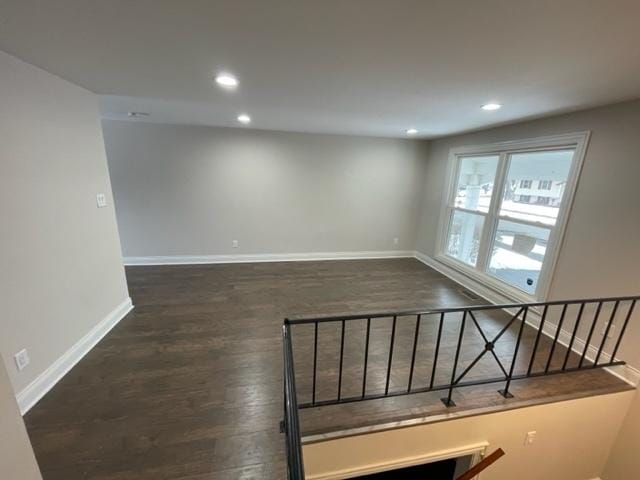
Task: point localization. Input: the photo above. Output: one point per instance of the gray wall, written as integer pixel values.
(61, 267)
(600, 255)
(185, 190)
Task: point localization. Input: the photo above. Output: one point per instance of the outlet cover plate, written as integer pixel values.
(101, 200)
(22, 359)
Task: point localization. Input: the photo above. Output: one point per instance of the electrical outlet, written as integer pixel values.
(235, 244)
(530, 438)
(22, 359)
(611, 330)
(396, 241)
(101, 200)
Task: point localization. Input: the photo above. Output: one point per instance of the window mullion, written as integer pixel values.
(491, 218)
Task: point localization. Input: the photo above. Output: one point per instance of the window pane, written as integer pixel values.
(463, 238)
(535, 185)
(474, 185)
(517, 254)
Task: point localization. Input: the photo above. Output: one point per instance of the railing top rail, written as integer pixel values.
(296, 320)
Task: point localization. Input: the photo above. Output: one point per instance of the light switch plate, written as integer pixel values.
(530, 438)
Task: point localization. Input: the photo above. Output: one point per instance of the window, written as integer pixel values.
(544, 184)
(495, 234)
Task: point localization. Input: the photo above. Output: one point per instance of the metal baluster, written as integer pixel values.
(588, 340)
(622, 330)
(535, 345)
(393, 336)
(505, 393)
(448, 401)
(606, 332)
(315, 363)
(413, 356)
(555, 338)
(435, 356)
(341, 359)
(573, 336)
(366, 358)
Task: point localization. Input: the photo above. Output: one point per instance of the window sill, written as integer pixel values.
(483, 284)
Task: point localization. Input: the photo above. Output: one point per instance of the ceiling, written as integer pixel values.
(369, 67)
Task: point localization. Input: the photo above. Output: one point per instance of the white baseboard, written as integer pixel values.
(626, 373)
(265, 257)
(33, 392)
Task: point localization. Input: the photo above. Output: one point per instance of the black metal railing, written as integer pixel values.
(290, 425)
(462, 319)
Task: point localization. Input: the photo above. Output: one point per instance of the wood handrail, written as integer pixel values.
(481, 465)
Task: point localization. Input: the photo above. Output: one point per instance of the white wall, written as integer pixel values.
(61, 271)
(184, 190)
(600, 254)
(573, 440)
(17, 460)
(624, 461)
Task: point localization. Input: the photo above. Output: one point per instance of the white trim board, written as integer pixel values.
(265, 257)
(44, 382)
(627, 373)
(476, 451)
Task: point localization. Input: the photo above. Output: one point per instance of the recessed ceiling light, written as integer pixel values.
(412, 131)
(491, 106)
(137, 114)
(226, 80)
(244, 118)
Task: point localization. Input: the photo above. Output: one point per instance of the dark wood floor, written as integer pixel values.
(189, 385)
